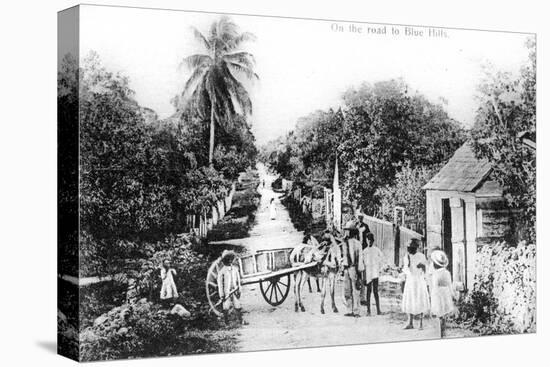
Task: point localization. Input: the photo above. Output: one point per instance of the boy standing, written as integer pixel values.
(229, 286)
(374, 260)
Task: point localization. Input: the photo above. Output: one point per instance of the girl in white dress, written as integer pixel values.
(442, 292)
(272, 209)
(415, 294)
(168, 292)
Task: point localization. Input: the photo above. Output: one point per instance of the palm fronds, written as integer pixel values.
(214, 83)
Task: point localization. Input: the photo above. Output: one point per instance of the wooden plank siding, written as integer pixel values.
(385, 238)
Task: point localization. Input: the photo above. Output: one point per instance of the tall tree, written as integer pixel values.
(507, 113)
(214, 84)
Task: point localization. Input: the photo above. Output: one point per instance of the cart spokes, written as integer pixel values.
(275, 290)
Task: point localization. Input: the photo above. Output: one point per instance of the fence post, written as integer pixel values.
(396, 243)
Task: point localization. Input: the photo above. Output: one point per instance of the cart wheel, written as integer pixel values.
(275, 290)
(212, 288)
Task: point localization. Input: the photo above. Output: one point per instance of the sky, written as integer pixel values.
(303, 65)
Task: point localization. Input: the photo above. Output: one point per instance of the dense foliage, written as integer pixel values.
(506, 115)
(67, 165)
(406, 191)
(138, 326)
(144, 329)
(138, 178)
(135, 180)
(503, 298)
(379, 129)
(134, 325)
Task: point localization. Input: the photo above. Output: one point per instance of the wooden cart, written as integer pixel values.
(270, 268)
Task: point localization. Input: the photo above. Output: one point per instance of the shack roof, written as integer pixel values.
(464, 172)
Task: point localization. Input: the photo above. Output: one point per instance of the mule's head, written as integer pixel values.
(317, 253)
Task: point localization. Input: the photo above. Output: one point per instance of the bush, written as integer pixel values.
(189, 260)
(96, 299)
(503, 299)
(131, 330)
(67, 336)
(406, 191)
(143, 328)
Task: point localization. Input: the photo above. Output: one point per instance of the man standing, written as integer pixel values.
(374, 260)
(364, 230)
(353, 267)
(329, 269)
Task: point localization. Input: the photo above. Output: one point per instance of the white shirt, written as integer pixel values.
(374, 260)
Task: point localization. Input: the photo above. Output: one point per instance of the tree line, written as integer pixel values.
(390, 140)
(139, 175)
(383, 131)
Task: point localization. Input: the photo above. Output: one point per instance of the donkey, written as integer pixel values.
(304, 254)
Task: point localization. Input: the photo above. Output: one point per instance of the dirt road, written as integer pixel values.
(281, 327)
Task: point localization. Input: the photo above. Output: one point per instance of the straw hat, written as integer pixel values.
(440, 258)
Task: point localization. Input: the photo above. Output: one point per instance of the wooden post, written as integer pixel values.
(396, 243)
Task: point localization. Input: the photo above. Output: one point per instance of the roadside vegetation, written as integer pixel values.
(237, 222)
(503, 299)
(390, 141)
(140, 176)
(382, 131)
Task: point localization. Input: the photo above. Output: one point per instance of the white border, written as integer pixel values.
(28, 184)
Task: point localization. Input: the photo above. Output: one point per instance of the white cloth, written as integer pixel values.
(228, 281)
(416, 299)
(374, 260)
(168, 289)
(442, 293)
(272, 211)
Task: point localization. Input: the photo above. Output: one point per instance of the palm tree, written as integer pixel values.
(214, 76)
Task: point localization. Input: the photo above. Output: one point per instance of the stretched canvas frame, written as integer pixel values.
(198, 195)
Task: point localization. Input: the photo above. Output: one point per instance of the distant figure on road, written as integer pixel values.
(415, 294)
(168, 292)
(272, 209)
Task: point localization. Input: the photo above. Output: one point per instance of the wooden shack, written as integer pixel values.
(465, 209)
